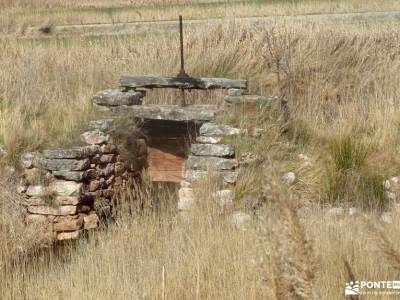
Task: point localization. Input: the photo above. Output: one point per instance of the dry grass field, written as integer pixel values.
(341, 83)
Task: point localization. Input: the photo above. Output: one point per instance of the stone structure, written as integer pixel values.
(71, 190)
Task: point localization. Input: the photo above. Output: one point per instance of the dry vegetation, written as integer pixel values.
(343, 96)
(17, 16)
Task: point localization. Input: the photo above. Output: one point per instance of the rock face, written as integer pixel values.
(118, 98)
(213, 150)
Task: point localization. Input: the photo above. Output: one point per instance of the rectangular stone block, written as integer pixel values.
(63, 164)
(213, 150)
(68, 223)
(64, 210)
(72, 235)
(76, 152)
(57, 201)
(91, 221)
(212, 129)
(210, 163)
(65, 188)
(208, 139)
(117, 98)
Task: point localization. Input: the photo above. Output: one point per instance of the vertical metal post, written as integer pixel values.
(182, 73)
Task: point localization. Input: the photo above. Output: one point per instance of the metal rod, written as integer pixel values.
(181, 38)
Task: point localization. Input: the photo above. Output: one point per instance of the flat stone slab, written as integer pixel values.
(170, 112)
(117, 98)
(208, 139)
(76, 152)
(213, 150)
(62, 164)
(227, 176)
(212, 129)
(251, 100)
(210, 163)
(135, 81)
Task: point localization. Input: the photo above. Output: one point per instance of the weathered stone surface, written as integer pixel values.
(65, 188)
(235, 92)
(36, 191)
(91, 221)
(68, 223)
(289, 178)
(27, 159)
(107, 158)
(56, 201)
(95, 137)
(213, 150)
(195, 175)
(208, 139)
(240, 219)
(151, 81)
(185, 204)
(63, 164)
(212, 129)
(36, 219)
(210, 163)
(108, 148)
(186, 193)
(51, 210)
(72, 235)
(170, 112)
(3, 152)
(116, 98)
(104, 125)
(224, 198)
(70, 175)
(250, 99)
(76, 152)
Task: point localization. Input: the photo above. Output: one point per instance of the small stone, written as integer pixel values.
(68, 223)
(36, 191)
(73, 235)
(248, 158)
(55, 211)
(240, 219)
(353, 211)
(213, 150)
(335, 211)
(304, 157)
(185, 184)
(387, 184)
(95, 137)
(91, 221)
(117, 98)
(65, 188)
(208, 139)
(212, 129)
(224, 198)
(186, 193)
(390, 196)
(105, 125)
(3, 152)
(230, 177)
(386, 217)
(289, 178)
(395, 180)
(108, 148)
(235, 92)
(27, 160)
(94, 185)
(185, 204)
(107, 158)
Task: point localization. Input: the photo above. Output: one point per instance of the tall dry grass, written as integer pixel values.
(16, 16)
